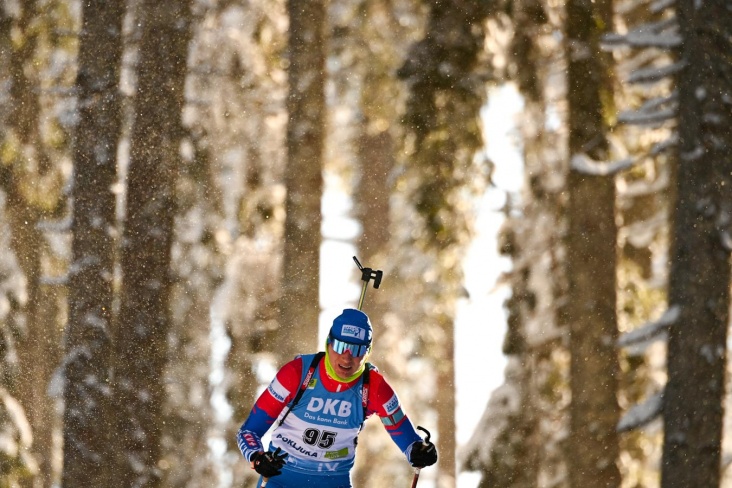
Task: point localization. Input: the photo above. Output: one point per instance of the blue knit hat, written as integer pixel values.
(352, 326)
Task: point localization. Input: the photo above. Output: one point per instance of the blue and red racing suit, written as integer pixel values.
(319, 433)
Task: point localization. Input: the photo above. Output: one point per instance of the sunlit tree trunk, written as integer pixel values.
(32, 184)
(300, 301)
(591, 246)
(144, 321)
(699, 280)
(375, 156)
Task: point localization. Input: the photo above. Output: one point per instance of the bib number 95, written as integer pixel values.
(323, 439)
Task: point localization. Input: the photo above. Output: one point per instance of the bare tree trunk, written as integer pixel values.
(300, 301)
(699, 280)
(591, 244)
(87, 395)
(144, 321)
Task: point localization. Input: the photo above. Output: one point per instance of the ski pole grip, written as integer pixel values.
(427, 440)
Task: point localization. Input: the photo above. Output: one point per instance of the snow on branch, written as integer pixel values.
(665, 145)
(640, 234)
(660, 5)
(582, 163)
(642, 414)
(662, 34)
(726, 239)
(58, 226)
(650, 330)
(655, 73)
(647, 118)
(653, 112)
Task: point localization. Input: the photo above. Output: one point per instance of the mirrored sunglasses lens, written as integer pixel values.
(356, 350)
(338, 346)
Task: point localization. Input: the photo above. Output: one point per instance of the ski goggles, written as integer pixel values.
(356, 350)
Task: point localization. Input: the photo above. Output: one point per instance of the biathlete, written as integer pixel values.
(318, 404)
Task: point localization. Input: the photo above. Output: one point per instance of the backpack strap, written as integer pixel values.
(304, 386)
(365, 389)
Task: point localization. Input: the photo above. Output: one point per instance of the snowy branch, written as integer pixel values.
(653, 112)
(726, 239)
(582, 163)
(660, 5)
(655, 73)
(663, 35)
(647, 118)
(664, 145)
(58, 226)
(641, 234)
(641, 188)
(642, 414)
(62, 280)
(651, 330)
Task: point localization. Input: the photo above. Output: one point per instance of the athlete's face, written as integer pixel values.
(344, 364)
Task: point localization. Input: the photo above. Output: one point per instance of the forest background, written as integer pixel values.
(162, 179)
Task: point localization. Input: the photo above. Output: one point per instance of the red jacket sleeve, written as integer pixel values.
(384, 402)
(268, 407)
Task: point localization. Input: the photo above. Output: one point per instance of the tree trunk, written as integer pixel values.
(87, 420)
(699, 280)
(375, 156)
(300, 301)
(144, 319)
(33, 186)
(591, 261)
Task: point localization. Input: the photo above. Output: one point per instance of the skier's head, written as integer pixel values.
(351, 331)
(348, 345)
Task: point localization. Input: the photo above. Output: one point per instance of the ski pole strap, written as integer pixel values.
(304, 386)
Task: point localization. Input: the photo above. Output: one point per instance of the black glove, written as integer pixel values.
(422, 454)
(268, 464)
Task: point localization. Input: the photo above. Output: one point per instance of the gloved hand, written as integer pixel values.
(422, 454)
(268, 464)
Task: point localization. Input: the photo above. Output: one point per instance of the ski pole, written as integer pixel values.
(417, 470)
(367, 274)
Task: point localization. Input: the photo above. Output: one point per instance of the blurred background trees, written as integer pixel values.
(164, 169)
